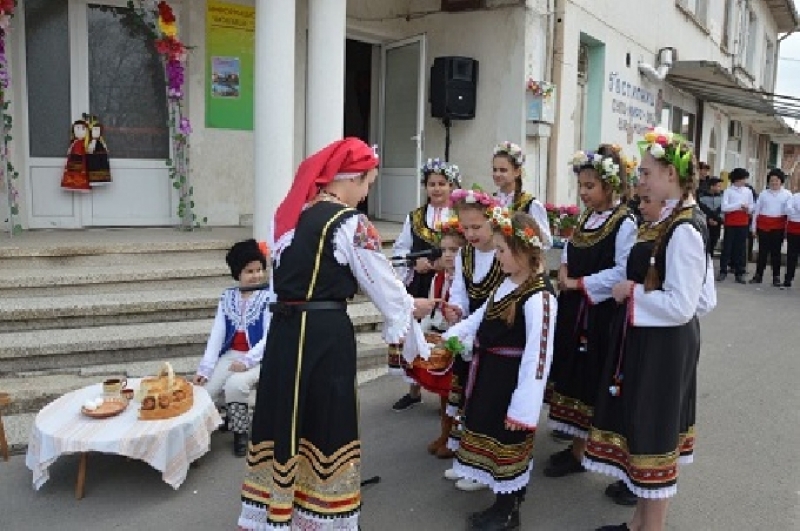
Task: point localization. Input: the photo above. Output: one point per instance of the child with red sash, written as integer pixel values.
(792, 238)
(737, 204)
(769, 224)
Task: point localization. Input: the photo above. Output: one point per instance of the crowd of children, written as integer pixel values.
(470, 270)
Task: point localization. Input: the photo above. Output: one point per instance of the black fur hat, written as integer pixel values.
(739, 174)
(241, 254)
(777, 172)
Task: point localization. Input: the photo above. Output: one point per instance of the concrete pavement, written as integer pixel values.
(746, 475)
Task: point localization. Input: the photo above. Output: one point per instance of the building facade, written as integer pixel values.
(697, 67)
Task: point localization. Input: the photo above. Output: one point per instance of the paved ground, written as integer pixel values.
(746, 476)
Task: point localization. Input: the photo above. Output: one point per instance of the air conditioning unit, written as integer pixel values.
(735, 129)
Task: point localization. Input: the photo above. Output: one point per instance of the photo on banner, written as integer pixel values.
(230, 63)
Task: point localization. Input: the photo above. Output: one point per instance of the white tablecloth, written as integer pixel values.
(169, 445)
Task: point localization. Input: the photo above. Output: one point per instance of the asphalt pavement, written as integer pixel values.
(746, 473)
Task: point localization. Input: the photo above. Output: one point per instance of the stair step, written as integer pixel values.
(109, 260)
(77, 347)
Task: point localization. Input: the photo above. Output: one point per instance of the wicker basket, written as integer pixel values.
(165, 396)
(440, 358)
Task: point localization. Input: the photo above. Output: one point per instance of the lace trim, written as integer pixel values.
(451, 411)
(396, 327)
(453, 444)
(254, 518)
(498, 487)
(253, 307)
(569, 429)
(609, 470)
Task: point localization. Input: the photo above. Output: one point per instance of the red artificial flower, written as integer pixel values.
(165, 12)
(7, 6)
(171, 47)
(661, 139)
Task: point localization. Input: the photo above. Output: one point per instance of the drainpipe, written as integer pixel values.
(556, 70)
(657, 75)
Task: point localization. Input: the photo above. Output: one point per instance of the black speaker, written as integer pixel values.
(454, 84)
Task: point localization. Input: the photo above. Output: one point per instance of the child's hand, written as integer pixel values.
(423, 265)
(199, 380)
(237, 366)
(451, 313)
(622, 290)
(423, 307)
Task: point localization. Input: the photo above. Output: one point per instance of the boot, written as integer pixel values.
(441, 441)
(504, 517)
(776, 282)
(757, 279)
(240, 444)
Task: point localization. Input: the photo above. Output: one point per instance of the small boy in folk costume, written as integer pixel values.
(769, 224)
(232, 360)
(76, 176)
(451, 239)
(513, 348)
(418, 236)
(792, 238)
(737, 204)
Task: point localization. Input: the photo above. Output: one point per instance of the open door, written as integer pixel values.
(402, 114)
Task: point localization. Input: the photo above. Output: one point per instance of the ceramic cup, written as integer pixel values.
(113, 386)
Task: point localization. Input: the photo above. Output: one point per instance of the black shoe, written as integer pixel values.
(569, 465)
(787, 283)
(757, 279)
(621, 494)
(740, 279)
(560, 436)
(562, 456)
(776, 281)
(240, 444)
(500, 520)
(406, 402)
(620, 527)
(480, 518)
(721, 277)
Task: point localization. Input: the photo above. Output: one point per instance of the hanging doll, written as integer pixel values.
(76, 176)
(97, 164)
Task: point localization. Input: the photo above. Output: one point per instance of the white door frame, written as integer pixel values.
(422, 100)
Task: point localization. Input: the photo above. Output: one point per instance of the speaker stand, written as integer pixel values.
(447, 123)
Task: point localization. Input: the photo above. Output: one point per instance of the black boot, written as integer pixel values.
(740, 279)
(757, 279)
(776, 282)
(240, 444)
(505, 517)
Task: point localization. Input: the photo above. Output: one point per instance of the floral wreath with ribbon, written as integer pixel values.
(512, 150)
(501, 218)
(451, 225)
(437, 165)
(605, 166)
(475, 195)
(663, 144)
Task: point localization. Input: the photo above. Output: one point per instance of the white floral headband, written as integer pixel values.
(512, 150)
(501, 218)
(450, 171)
(605, 166)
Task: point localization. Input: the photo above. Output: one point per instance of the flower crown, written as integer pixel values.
(447, 226)
(512, 150)
(473, 196)
(605, 166)
(501, 218)
(663, 144)
(450, 171)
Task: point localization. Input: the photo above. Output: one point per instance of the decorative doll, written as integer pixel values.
(97, 164)
(76, 176)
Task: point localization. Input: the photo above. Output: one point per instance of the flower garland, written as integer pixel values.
(450, 225)
(501, 219)
(159, 21)
(540, 89)
(8, 174)
(512, 150)
(473, 196)
(450, 171)
(672, 147)
(605, 166)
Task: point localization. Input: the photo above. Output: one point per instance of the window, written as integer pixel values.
(727, 24)
(698, 8)
(768, 74)
(752, 39)
(683, 123)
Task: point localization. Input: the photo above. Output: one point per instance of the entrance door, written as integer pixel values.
(113, 72)
(402, 127)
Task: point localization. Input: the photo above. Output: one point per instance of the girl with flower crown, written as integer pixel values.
(512, 333)
(507, 162)
(592, 262)
(419, 235)
(477, 273)
(644, 415)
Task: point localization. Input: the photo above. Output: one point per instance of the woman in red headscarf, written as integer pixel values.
(303, 462)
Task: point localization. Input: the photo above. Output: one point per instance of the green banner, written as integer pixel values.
(230, 54)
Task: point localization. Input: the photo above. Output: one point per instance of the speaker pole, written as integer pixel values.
(447, 123)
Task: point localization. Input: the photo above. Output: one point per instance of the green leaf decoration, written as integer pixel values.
(477, 188)
(454, 345)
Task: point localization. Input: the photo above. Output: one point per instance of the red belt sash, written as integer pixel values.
(770, 222)
(239, 342)
(793, 227)
(737, 218)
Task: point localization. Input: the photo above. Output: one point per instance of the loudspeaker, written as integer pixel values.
(454, 83)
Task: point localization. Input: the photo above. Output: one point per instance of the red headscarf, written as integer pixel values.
(347, 156)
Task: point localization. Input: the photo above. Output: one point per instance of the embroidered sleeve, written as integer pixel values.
(526, 402)
(214, 344)
(366, 236)
(458, 291)
(256, 353)
(401, 247)
(598, 286)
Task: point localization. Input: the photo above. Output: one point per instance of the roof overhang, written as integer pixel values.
(785, 15)
(763, 111)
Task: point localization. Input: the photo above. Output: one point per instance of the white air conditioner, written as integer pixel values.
(735, 129)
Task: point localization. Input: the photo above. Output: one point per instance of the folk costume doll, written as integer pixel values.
(508, 160)
(591, 264)
(451, 240)
(477, 274)
(512, 337)
(304, 457)
(769, 223)
(419, 235)
(737, 204)
(232, 361)
(76, 175)
(644, 419)
(97, 163)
